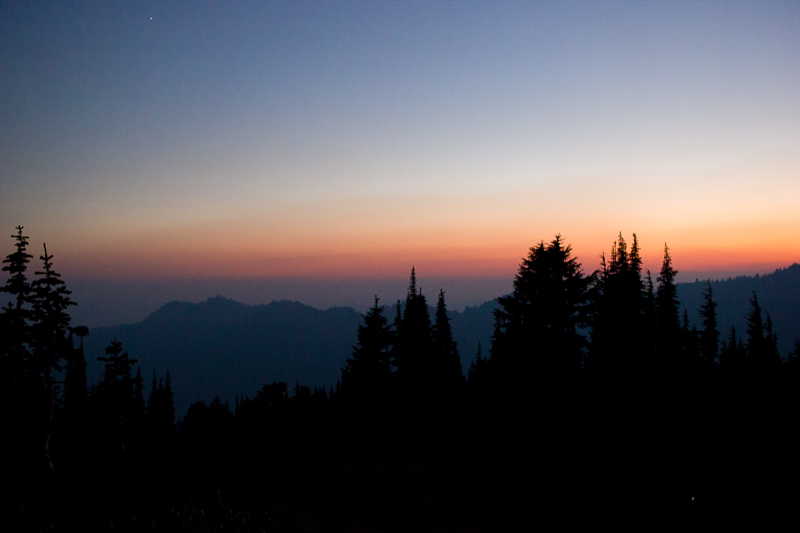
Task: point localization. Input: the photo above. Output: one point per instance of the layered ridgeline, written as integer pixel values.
(778, 295)
(223, 348)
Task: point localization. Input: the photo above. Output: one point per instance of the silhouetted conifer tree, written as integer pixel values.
(207, 427)
(771, 339)
(691, 344)
(536, 326)
(445, 352)
(620, 313)
(478, 374)
(18, 313)
(732, 354)
(50, 338)
(709, 339)
(153, 399)
(369, 370)
(667, 316)
(396, 327)
(138, 394)
(116, 395)
(415, 365)
(272, 396)
(793, 359)
(75, 385)
(757, 349)
(169, 403)
(14, 336)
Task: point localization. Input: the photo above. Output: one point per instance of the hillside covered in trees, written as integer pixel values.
(778, 294)
(225, 348)
(597, 405)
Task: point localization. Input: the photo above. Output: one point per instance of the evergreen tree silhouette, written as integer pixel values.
(397, 326)
(415, 365)
(18, 311)
(161, 411)
(138, 395)
(756, 344)
(154, 399)
(762, 354)
(793, 359)
(478, 376)
(620, 308)
(273, 396)
(169, 404)
(691, 344)
(733, 354)
(116, 394)
(709, 339)
(75, 386)
(207, 426)
(50, 336)
(18, 314)
(14, 336)
(771, 339)
(369, 370)
(668, 318)
(445, 352)
(537, 325)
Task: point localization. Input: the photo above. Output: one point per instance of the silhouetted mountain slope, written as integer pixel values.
(470, 326)
(473, 325)
(222, 347)
(778, 294)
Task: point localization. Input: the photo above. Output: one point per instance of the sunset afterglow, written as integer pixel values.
(353, 140)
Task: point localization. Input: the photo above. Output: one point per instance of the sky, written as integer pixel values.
(314, 146)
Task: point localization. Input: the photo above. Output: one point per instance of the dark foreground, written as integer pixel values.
(608, 467)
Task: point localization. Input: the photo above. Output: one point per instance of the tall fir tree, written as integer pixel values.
(15, 383)
(762, 348)
(756, 341)
(50, 339)
(733, 354)
(445, 351)
(537, 325)
(115, 396)
(619, 312)
(771, 339)
(75, 386)
(161, 410)
(17, 315)
(709, 338)
(396, 334)
(415, 369)
(169, 404)
(668, 317)
(138, 394)
(692, 356)
(369, 370)
(476, 368)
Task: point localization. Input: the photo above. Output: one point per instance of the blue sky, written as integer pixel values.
(153, 140)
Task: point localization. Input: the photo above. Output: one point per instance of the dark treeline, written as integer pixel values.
(596, 406)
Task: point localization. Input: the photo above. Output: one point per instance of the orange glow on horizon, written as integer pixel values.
(473, 262)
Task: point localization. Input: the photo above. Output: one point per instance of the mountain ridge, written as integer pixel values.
(224, 347)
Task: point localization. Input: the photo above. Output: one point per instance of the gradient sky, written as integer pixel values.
(353, 139)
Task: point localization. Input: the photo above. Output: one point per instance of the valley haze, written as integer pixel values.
(226, 348)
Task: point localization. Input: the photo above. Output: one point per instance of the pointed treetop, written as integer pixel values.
(412, 286)
(16, 264)
(667, 274)
(620, 255)
(635, 256)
